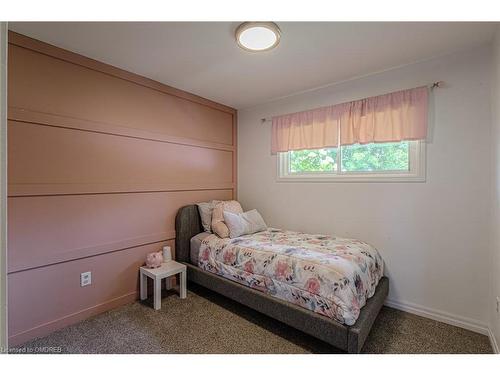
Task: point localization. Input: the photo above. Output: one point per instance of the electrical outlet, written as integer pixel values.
(86, 278)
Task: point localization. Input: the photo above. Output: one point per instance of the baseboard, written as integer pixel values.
(441, 316)
(54, 325)
(493, 341)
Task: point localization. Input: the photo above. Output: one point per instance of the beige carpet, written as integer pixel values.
(209, 323)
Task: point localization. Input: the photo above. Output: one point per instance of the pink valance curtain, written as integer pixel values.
(393, 117)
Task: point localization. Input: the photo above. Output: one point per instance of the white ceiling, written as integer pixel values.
(203, 58)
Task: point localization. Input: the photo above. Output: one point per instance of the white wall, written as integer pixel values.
(433, 235)
(3, 184)
(495, 188)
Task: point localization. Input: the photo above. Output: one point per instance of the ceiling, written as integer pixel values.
(203, 57)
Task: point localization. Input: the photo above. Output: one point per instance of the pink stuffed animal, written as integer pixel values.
(154, 260)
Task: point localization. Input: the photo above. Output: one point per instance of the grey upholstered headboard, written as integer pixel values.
(187, 225)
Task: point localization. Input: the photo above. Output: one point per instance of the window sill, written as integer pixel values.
(353, 178)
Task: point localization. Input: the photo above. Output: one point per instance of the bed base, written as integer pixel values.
(348, 338)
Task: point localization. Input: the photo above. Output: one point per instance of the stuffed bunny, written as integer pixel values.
(154, 260)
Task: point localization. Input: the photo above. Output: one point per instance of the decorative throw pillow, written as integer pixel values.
(206, 209)
(218, 225)
(245, 223)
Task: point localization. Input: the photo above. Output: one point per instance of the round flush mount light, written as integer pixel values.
(258, 36)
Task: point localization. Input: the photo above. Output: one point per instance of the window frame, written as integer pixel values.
(416, 172)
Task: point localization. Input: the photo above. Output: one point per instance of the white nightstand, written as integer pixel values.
(167, 269)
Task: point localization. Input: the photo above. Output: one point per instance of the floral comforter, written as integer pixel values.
(329, 275)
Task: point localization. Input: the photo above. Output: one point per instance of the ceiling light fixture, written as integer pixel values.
(258, 36)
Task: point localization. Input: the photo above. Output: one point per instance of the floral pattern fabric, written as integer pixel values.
(329, 275)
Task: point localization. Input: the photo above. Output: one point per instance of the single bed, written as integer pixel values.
(189, 237)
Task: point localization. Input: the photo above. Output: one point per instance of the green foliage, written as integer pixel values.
(375, 157)
(355, 158)
(322, 160)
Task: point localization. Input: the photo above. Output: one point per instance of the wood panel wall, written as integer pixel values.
(99, 161)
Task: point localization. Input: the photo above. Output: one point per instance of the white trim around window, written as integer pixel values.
(416, 172)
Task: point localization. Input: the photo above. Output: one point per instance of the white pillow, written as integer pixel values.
(246, 223)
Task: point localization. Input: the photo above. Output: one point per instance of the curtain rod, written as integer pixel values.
(432, 86)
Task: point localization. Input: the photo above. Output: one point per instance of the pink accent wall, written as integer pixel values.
(100, 160)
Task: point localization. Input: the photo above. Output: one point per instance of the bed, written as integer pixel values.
(349, 337)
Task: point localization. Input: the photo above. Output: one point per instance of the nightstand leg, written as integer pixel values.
(144, 287)
(183, 284)
(168, 283)
(157, 283)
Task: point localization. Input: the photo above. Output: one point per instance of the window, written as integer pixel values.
(398, 161)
